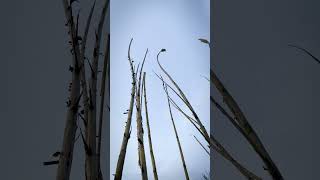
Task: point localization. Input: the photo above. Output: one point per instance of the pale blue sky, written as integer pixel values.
(175, 25)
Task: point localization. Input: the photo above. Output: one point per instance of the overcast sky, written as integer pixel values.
(175, 26)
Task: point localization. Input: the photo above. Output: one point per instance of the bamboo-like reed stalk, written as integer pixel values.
(66, 153)
(245, 128)
(127, 131)
(203, 147)
(177, 136)
(140, 132)
(106, 65)
(83, 79)
(196, 122)
(242, 124)
(183, 96)
(91, 157)
(154, 167)
(216, 145)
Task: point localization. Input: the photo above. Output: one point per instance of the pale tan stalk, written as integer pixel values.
(127, 131)
(91, 158)
(203, 147)
(153, 161)
(85, 99)
(196, 122)
(177, 137)
(216, 146)
(246, 128)
(66, 153)
(104, 77)
(241, 122)
(140, 132)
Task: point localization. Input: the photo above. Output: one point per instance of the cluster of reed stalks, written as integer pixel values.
(138, 95)
(82, 106)
(171, 88)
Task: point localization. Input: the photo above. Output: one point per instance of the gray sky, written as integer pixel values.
(176, 26)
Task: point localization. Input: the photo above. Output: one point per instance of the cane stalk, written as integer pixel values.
(154, 167)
